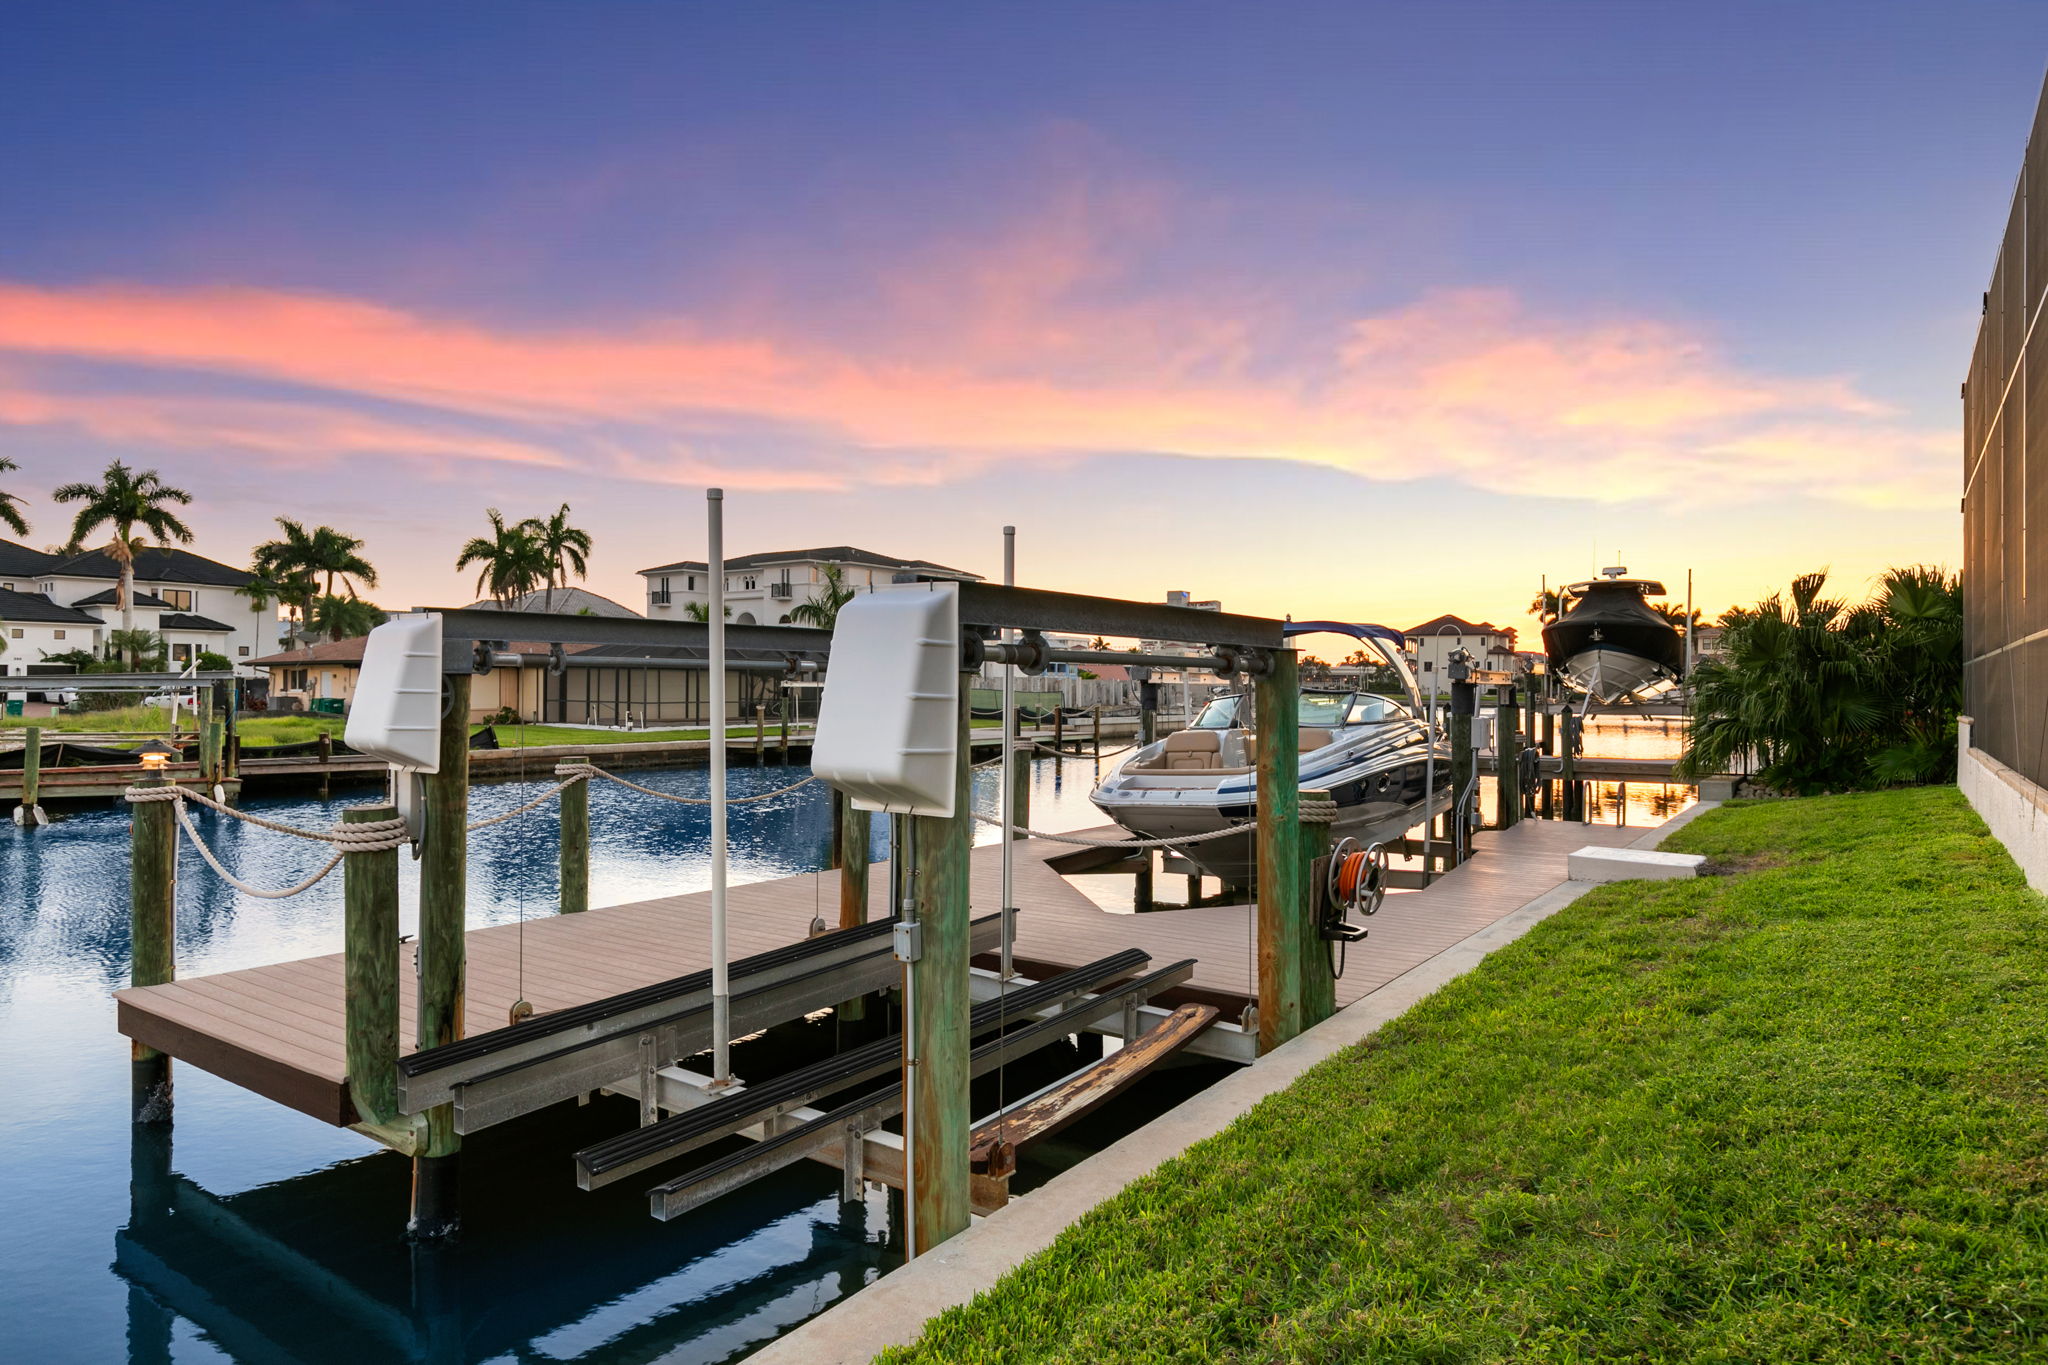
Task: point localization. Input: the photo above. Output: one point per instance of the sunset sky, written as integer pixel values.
(1347, 310)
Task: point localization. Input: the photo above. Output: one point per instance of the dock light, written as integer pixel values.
(156, 756)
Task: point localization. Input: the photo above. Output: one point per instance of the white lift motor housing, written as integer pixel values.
(396, 712)
(889, 721)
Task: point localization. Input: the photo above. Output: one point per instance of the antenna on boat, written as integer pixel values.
(721, 984)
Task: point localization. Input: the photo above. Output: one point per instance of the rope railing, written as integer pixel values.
(371, 836)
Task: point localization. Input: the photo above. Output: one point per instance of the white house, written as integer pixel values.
(1430, 645)
(762, 589)
(31, 625)
(188, 599)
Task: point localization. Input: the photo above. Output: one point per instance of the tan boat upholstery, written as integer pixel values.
(1190, 749)
(1311, 738)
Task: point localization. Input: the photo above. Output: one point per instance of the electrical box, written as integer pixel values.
(1482, 731)
(889, 721)
(396, 714)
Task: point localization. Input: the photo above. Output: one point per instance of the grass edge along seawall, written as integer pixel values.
(1791, 1112)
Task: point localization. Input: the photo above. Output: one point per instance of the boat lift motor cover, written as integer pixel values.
(396, 711)
(889, 720)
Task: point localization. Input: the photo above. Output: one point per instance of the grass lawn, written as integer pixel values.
(1794, 1113)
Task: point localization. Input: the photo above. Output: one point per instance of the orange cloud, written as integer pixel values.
(1464, 384)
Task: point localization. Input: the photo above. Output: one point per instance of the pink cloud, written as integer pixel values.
(1004, 352)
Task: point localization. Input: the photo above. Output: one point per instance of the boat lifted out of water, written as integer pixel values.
(1376, 756)
(1611, 644)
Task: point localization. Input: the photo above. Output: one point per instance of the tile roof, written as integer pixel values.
(19, 561)
(156, 564)
(185, 620)
(33, 606)
(350, 651)
(105, 597)
(1456, 623)
(831, 554)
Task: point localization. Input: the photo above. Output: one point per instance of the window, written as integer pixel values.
(8, 586)
(242, 651)
(56, 635)
(15, 633)
(1428, 667)
(181, 654)
(179, 598)
(750, 583)
(690, 581)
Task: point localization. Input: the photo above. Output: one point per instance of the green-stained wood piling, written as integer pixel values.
(1281, 919)
(1020, 790)
(370, 972)
(152, 935)
(30, 812)
(444, 849)
(852, 832)
(937, 1004)
(1318, 972)
(575, 845)
(1507, 749)
(1464, 763)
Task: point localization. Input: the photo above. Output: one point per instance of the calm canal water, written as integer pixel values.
(265, 1235)
(259, 1234)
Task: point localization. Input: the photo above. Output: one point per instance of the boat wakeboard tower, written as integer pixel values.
(1611, 644)
(1377, 756)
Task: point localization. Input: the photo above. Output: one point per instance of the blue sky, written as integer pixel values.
(1443, 297)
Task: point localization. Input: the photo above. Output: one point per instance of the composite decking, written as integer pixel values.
(277, 1030)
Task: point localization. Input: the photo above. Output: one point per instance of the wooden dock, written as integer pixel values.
(278, 1030)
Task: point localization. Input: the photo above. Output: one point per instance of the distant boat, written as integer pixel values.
(1612, 644)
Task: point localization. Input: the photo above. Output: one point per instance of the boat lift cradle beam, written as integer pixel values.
(629, 1153)
(586, 1064)
(850, 1121)
(986, 609)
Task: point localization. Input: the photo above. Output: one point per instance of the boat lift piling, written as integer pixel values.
(423, 1103)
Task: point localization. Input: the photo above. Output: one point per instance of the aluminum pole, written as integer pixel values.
(721, 985)
(1009, 758)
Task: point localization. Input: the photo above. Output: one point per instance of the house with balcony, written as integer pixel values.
(1430, 645)
(188, 599)
(762, 589)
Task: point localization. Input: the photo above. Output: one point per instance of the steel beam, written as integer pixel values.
(701, 1186)
(630, 1153)
(996, 607)
(464, 623)
(429, 1077)
(587, 1065)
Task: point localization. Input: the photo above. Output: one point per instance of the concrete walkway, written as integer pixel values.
(893, 1310)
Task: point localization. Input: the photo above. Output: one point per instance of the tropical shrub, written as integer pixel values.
(1825, 696)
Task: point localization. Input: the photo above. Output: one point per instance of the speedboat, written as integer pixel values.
(1612, 644)
(1375, 755)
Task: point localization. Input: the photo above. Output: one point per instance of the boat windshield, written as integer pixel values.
(1319, 710)
(1324, 710)
(1367, 709)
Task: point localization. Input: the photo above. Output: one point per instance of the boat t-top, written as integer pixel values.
(1375, 755)
(1612, 644)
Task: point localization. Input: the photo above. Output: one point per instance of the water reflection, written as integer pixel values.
(261, 1235)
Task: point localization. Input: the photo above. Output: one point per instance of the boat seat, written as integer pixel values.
(1311, 737)
(1190, 749)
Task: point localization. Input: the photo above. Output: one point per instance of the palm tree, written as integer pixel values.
(343, 618)
(562, 546)
(323, 553)
(1547, 605)
(822, 610)
(1830, 697)
(10, 505)
(141, 649)
(701, 611)
(124, 500)
(510, 560)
